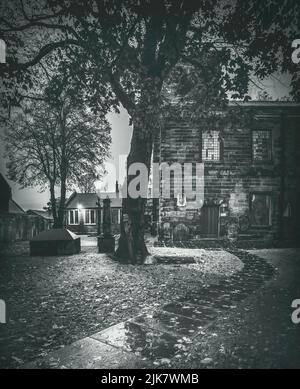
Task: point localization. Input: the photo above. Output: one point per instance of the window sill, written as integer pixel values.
(261, 227)
(213, 162)
(259, 163)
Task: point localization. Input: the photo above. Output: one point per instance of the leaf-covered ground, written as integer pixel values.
(259, 333)
(54, 301)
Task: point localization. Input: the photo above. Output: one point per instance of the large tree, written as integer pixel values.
(55, 147)
(123, 52)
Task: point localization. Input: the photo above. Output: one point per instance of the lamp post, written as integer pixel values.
(98, 203)
(106, 242)
(80, 217)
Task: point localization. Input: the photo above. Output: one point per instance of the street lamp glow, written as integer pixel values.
(79, 206)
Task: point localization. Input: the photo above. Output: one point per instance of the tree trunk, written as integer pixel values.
(61, 209)
(54, 206)
(132, 248)
(63, 167)
(58, 212)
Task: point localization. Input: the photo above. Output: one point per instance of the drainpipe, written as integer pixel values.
(282, 175)
(98, 203)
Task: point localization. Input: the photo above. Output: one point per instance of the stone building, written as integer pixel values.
(7, 203)
(251, 175)
(45, 215)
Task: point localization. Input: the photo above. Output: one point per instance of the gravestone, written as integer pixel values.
(58, 241)
(232, 229)
(167, 232)
(180, 233)
(106, 242)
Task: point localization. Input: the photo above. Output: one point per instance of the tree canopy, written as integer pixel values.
(109, 50)
(125, 52)
(52, 148)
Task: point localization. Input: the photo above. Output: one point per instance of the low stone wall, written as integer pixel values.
(15, 227)
(83, 229)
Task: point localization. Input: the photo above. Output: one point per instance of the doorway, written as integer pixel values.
(209, 221)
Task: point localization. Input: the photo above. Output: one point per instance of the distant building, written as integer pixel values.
(5, 194)
(15, 223)
(15, 208)
(42, 214)
(82, 212)
(7, 204)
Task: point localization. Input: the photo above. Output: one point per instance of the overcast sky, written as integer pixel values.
(121, 134)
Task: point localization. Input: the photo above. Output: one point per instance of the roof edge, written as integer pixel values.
(252, 103)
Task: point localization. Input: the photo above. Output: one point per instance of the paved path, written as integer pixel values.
(259, 333)
(164, 335)
(88, 241)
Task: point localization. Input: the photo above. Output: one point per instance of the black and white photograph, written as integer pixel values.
(149, 187)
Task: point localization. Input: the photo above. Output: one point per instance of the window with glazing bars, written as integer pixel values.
(262, 145)
(211, 146)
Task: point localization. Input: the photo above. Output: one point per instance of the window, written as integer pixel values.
(260, 210)
(262, 145)
(115, 216)
(287, 210)
(90, 216)
(73, 217)
(211, 146)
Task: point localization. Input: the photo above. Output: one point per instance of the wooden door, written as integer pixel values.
(209, 221)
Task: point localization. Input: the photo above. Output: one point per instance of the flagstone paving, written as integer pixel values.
(140, 340)
(88, 353)
(164, 333)
(169, 322)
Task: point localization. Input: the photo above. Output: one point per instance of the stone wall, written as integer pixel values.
(18, 227)
(232, 180)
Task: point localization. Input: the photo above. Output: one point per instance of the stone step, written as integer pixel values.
(248, 236)
(170, 259)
